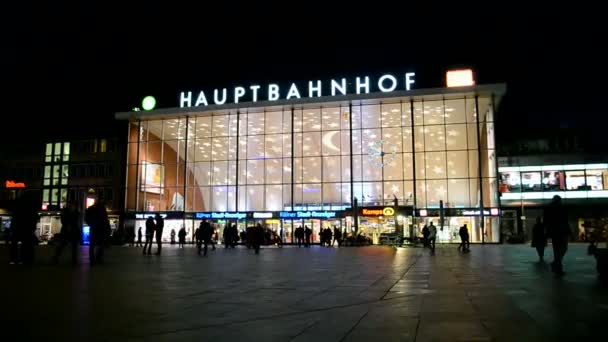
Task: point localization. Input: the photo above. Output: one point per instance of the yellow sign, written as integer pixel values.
(388, 211)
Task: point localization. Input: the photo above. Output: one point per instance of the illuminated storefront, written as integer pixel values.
(292, 156)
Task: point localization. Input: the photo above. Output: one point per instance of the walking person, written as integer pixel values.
(70, 232)
(150, 227)
(234, 234)
(227, 235)
(337, 236)
(299, 234)
(258, 236)
(425, 236)
(139, 236)
(556, 222)
(539, 238)
(23, 227)
(181, 237)
(198, 237)
(173, 236)
(464, 239)
(207, 232)
(307, 235)
(432, 237)
(97, 218)
(160, 224)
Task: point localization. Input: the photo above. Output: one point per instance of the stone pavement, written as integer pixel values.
(494, 293)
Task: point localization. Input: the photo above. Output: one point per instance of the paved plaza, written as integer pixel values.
(494, 293)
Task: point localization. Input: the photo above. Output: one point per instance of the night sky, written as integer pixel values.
(79, 65)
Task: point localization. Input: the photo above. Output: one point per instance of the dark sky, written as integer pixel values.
(78, 65)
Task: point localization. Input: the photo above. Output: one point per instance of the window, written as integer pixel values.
(595, 179)
(103, 145)
(531, 181)
(554, 180)
(575, 180)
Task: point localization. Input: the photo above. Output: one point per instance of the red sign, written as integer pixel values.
(11, 184)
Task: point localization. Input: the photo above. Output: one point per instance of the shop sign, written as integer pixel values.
(11, 184)
(145, 216)
(475, 212)
(387, 211)
(307, 214)
(360, 85)
(221, 215)
(262, 215)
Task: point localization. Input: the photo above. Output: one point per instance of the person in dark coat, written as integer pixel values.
(234, 234)
(160, 224)
(227, 235)
(556, 223)
(139, 236)
(539, 238)
(150, 228)
(207, 232)
(464, 238)
(181, 236)
(337, 236)
(299, 234)
(173, 236)
(307, 236)
(199, 237)
(23, 227)
(425, 236)
(70, 232)
(97, 219)
(257, 237)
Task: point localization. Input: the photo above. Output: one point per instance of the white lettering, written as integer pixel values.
(409, 80)
(293, 92)
(312, 89)
(362, 85)
(238, 93)
(338, 86)
(201, 99)
(185, 100)
(254, 89)
(273, 92)
(215, 99)
(381, 83)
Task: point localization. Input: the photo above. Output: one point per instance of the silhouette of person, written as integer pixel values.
(299, 234)
(556, 223)
(182, 237)
(150, 227)
(307, 235)
(227, 235)
(97, 218)
(199, 236)
(425, 236)
(257, 238)
(70, 232)
(139, 235)
(464, 238)
(432, 237)
(207, 232)
(539, 238)
(173, 236)
(234, 234)
(160, 224)
(337, 236)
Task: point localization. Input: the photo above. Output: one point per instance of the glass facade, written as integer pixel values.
(419, 152)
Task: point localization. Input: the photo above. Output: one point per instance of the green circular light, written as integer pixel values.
(148, 103)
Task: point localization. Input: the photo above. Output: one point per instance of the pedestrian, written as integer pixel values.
(97, 219)
(182, 237)
(172, 236)
(327, 236)
(139, 236)
(299, 234)
(539, 238)
(432, 237)
(258, 236)
(464, 238)
(160, 224)
(556, 223)
(198, 236)
(23, 228)
(227, 235)
(150, 227)
(234, 234)
(425, 236)
(70, 232)
(337, 236)
(307, 235)
(207, 233)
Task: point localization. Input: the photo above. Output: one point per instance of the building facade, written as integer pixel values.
(374, 164)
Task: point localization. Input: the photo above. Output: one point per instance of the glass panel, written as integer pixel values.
(203, 127)
(370, 116)
(274, 198)
(408, 166)
(54, 196)
(473, 164)
(286, 121)
(273, 171)
(47, 171)
(408, 192)
(202, 174)
(433, 113)
(220, 175)
(255, 147)
(392, 190)
(49, 149)
(287, 171)
(434, 139)
(531, 181)
(65, 172)
(458, 165)
(393, 139)
(57, 149)
(472, 136)
(312, 144)
(391, 115)
(274, 146)
(371, 171)
(345, 169)
(418, 117)
(297, 147)
(474, 191)
(406, 119)
(332, 193)
(311, 170)
(331, 169)
(369, 137)
(255, 194)
(357, 148)
(458, 193)
(356, 116)
(331, 143)
(456, 137)
(255, 171)
(331, 118)
(220, 198)
(575, 180)
(255, 123)
(220, 126)
(595, 179)
(66, 148)
(311, 193)
(64, 197)
(357, 175)
(154, 130)
(219, 148)
(455, 111)
(436, 190)
(45, 195)
(393, 167)
(419, 139)
(470, 109)
(372, 193)
(420, 194)
(274, 122)
(511, 182)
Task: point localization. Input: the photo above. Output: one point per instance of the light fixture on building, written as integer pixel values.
(423, 213)
(459, 78)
